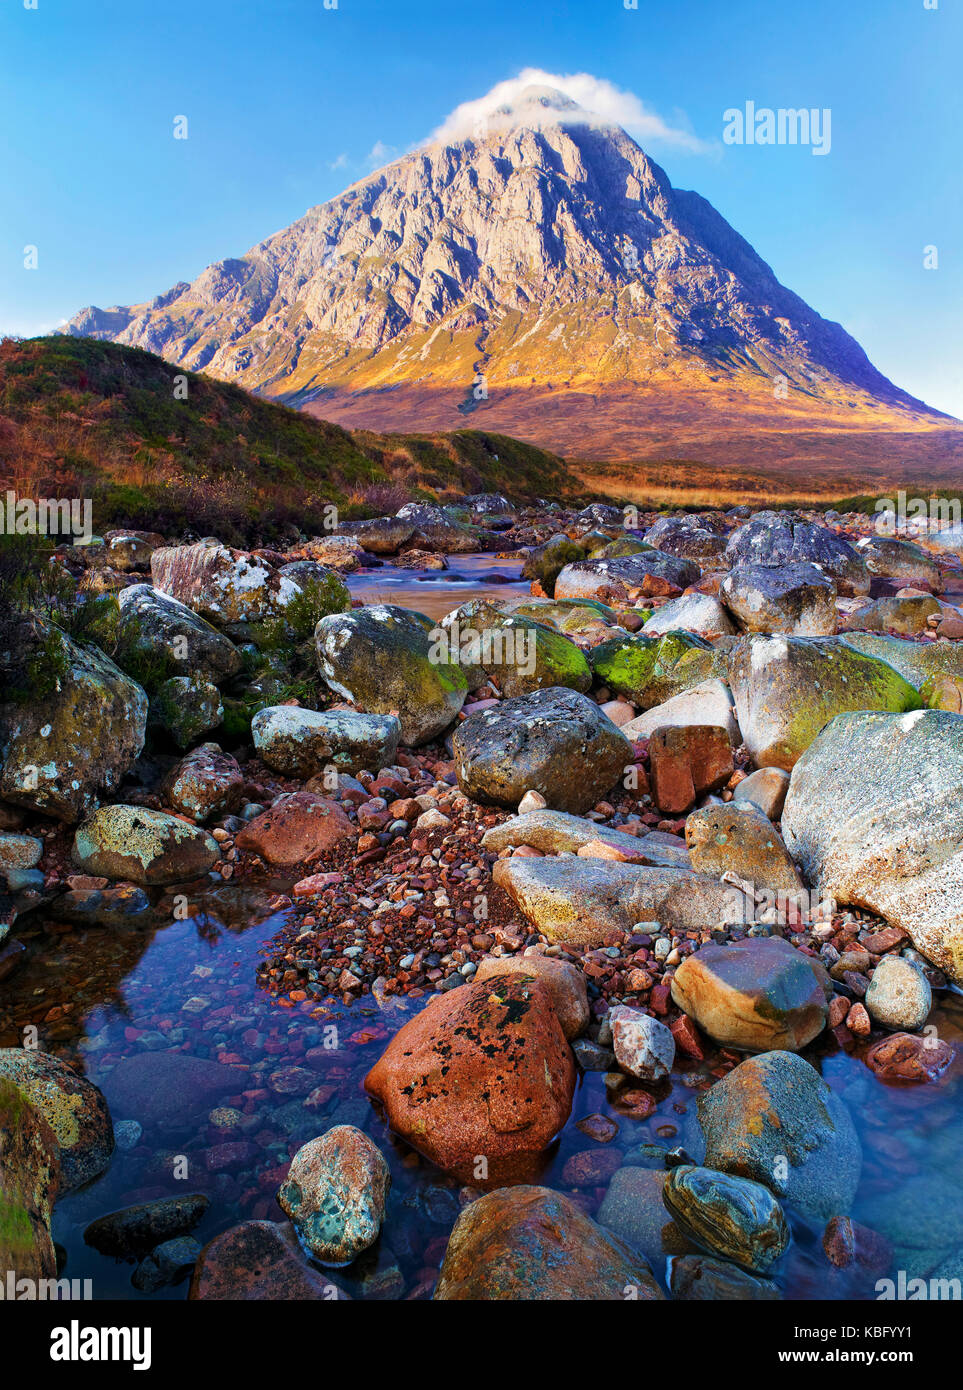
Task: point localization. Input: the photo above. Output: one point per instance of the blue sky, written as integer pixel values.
(288, 102)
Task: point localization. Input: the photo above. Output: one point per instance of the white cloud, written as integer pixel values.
(600, 100)
(380, 154)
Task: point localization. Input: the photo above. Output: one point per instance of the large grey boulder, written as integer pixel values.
(553, 741)
(227, 587)
(773, 539)
(59, 753)
(300, 742)
(796, 599)
(787, 689)
(584, 900)
(900, 559)
(652, 572)
(875, 817)
(154, 622)
(386, 660)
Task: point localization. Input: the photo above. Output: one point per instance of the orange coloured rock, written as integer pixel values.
(907, 1057)
(480, 1081)
(299, 827)
(528, 1243)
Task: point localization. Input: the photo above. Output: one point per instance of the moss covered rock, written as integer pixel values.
(390, 660)
(143, 846)
(787, 689)
(650, 670)
(187, 708)
(72, 1106)
(29, 1182)
(62, 751)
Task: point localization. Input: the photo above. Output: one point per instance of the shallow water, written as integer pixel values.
(437, 592)
(124, 993)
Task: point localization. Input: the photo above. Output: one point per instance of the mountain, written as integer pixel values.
(542, 277)
(100, 421)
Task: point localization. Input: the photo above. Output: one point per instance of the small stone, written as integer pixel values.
(645, 1048)
(899, 995)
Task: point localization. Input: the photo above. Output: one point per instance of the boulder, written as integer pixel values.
(515, 653)
(555, 741)
(686, 761)
(585, 900)
(545, 563)
(739, 838)
(480, 1081)
(651, 670)
(387, 660)
(205, 783)
(787, 689)
(644, 1047)
(29, 1183)
(564, 982)
(699, 613)
(335, 1194)
(894, 841)
(227, 587)
(709, 704)
(688, 537)
(899, 995)
(436, 529)
(258, 1262)
(626, 578)
(555, 832)
(765, 788)
(152, 622)
(760, 994)
(916, 662)
(799, 600)
(701, 1279)
(301, 742)
(298, 828)
(134, 1230)
(187, 707)
(61, 752)
(773, 539)
(146, 847)
(382, 535)
(532, 1244)
(900, 559)
(72, 1106)
(908, 616)
(774, 1120)
(728, 1216)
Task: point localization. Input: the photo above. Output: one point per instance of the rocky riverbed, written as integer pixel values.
(597, 937)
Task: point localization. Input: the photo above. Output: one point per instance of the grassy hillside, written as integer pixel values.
(81, 418)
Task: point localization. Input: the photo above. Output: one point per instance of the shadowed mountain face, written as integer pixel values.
(542, 276)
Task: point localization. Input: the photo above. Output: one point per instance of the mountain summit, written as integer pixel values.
(540, 274)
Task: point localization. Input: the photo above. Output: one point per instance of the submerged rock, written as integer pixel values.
(335, 1194)
(728, 1216)
(528, 1244)
(774, 1120)
(480, 1081)
(258, 1262)
(701, 1279)
(135, 1230)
